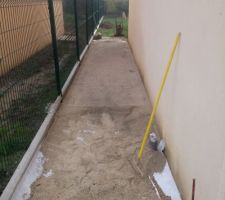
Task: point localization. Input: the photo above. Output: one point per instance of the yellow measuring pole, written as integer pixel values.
(150, 122)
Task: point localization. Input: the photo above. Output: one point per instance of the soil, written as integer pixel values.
(106, 25)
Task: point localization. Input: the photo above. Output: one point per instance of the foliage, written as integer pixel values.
(111, 32)
(110, 7)
(122, 6)
(116, 7)
(68, 6)
(17, 140)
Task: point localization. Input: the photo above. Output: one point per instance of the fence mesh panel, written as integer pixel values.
(90, 21)
(81, 17)
(28, 66)
(66, 38)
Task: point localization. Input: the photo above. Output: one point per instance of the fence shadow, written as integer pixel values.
(41, 41)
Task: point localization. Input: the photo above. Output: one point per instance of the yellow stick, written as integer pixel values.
(150, 122)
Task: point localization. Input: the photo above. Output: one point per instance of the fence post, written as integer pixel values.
(92, 13)
(77, 29)
(54, 45)
(87, 21)
(98, 11)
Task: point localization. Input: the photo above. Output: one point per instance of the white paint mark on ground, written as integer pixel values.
(80, 139)
(48, 174)
(87, 131)
(167, 184)
(34, 171)
(116, 132)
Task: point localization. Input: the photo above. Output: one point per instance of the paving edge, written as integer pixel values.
(36, 142)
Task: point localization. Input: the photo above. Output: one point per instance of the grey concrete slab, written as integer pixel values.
(99, 124)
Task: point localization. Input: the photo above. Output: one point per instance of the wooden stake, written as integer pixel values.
(193, 189)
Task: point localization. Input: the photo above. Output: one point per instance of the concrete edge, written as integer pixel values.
(41, 133)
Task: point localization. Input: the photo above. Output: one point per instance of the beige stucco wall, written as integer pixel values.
(191, 113)
(25, 30)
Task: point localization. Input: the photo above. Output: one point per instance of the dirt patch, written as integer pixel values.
(93, 147)
(107, 25)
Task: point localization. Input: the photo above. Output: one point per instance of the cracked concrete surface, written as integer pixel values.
(99, 124)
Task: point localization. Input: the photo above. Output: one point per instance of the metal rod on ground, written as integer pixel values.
(140, 153)
(54, 45)
(193, 189)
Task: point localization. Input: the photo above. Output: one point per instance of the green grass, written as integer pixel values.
(17, 133)
(111, 32)
(20, 122)
(14, 141)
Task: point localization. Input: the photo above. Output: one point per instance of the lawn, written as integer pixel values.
(28, 91)
(110, 23)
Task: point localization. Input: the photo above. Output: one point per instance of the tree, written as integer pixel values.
(110, 7)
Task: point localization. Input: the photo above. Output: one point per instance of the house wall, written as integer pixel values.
(25, 30)
(191, 114)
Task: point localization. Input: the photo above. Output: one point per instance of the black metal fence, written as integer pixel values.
(40, 42)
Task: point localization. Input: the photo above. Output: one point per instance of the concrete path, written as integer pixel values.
(100, 122)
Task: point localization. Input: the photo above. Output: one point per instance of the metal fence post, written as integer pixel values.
(87, 21)
(98, 11)
(92, 13)
(54, 45)
(77, 29)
